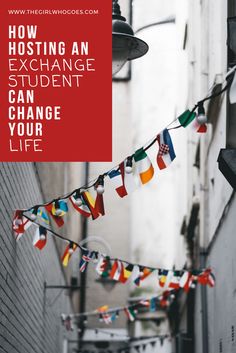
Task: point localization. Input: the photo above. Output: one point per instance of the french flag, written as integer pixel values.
(166, 153)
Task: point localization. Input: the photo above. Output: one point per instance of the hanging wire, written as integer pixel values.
(120, 308)
(228, 78)
(195, 272)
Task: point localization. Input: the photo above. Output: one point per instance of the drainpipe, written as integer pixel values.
(82, 301)
(205, 348)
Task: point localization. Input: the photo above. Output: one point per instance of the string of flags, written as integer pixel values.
(109, 315)
(123, 271)
(136, 170)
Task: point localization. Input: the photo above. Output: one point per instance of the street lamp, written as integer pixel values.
(125, 46)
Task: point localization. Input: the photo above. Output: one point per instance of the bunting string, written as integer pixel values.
(134, 171)
(123, 270)
(78, 196)
(109, 315)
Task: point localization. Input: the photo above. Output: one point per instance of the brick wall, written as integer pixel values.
(29, 315)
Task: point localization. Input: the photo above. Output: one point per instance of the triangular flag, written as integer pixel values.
(186, 118)
(143, 166)
(68, 253)
(40, 238)
(166, 153)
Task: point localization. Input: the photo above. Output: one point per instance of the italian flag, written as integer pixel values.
(143, 165)
(186, 118)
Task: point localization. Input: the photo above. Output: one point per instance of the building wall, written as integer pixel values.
(29, 315)
(207, 50)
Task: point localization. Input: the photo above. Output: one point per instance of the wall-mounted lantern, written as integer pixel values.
(125, 46)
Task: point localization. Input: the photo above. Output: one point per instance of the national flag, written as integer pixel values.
(144, 272)
(83, 209)
(90, 203)
(143, 166)
(168, 279)
(20, 224)
(200, 128)
(113, 317)
(67, 253)
(125, 183)
(60, 205)
(162, 275)
(186, 118)
(164, 298)
(130, 314)
(116, 178)
(99, 204)
(57, 219)
(102, 264)
(174, 283)
(153, 304)
(40, 238)
(117, 270)
(103, 308)
(185, 281)
(43, 215)
(206, 278)
(87, 256)
(126, 273)
(106, 318)
(166, 153)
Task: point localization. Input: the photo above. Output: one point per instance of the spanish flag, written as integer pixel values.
(143, 165)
